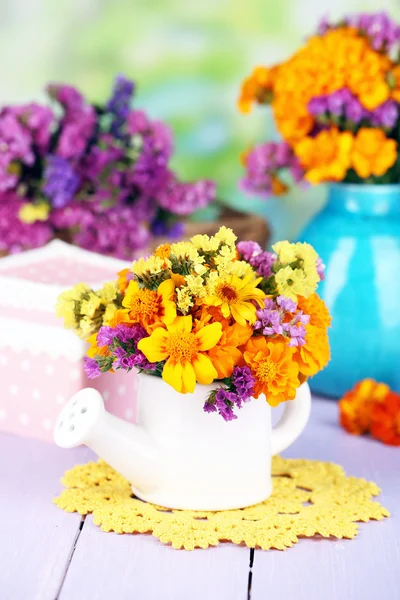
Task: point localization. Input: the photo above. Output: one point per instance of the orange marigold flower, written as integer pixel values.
(94, 349)
(394, 76)
(123, 280)
(325, 157)
(274, 370)
(256, 88)
(150, 308)
(317, 309)
(278, 188)
(355, 407)
(163, 251)
(385, 420)
(315, 354)
(373, 153)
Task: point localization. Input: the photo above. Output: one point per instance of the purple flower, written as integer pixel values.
(60, 181)
(105, 336)
(119, 104)
(286, 304)
(354, 111)
(248, 249)
(91, 367)
(337, 101)
(263, 164)
(126, 333)
(68, 96)
(273, 320)
(225, 401)
(123, 359)
(386, 115)
(185, 198)
(318, 106)
(209, 407)
(243, 382)
(16, 236)
(320, 269)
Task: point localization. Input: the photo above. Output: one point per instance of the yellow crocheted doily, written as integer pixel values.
(309, 498)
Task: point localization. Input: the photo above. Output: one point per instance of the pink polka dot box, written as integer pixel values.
(41, 363)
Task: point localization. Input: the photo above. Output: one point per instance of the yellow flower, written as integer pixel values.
(225, 257)
(373, 153)
(108, 292)
(325, 157)
(90, 305)
(150, 308)
(196, 286)
(184, 300)
(291, 282)
(109, 314)
(240, 268)
(66, 303)
(163, 251)
(152, 270)
(235, 297)
(226, 236)
(184, 352)
(205, 243)
(186, 251)
(285, 251)
(30, 213)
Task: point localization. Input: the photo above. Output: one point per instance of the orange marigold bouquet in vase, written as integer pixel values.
(336, 104)
(211, 311)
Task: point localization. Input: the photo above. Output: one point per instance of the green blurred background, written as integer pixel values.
(188, 58)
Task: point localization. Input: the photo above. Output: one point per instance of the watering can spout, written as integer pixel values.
(126, 447)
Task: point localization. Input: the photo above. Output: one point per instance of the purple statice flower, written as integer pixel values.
(337, 101)
(127, 333)
(318, 106)
(320, 269)
(91, 367)
(15, 146)
(60, 181)
(209, 407)
(225, 401)
(78, 123)
(185, 198)
(124, 360)
(260, 260)
(386, 115)
(248, 249)
(243, 382)
(114, 231)
(263, 164)
(15, 235)
(382, 31)
(141, 362)
(66, 95)
(354, 111)
(280, 316)
(38, 120)
(119, 104)
(105, 336)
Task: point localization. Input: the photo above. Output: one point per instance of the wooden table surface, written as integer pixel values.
(46, 554)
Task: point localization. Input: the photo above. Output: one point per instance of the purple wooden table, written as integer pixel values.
(46, 554)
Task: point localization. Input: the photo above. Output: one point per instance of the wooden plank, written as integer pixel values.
(367, 567)
(36, 538)
(107, 565)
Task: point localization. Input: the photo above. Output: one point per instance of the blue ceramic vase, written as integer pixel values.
(357, 235)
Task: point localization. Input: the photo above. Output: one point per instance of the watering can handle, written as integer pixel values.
(293, 421)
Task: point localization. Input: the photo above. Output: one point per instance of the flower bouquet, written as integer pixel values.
(96, 175)
(336, 104)
(210, 311)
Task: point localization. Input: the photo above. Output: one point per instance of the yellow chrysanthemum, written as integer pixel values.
(184, 351)
(30, 213)
(150, 308)
(236, 297)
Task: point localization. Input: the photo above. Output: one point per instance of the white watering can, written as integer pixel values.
(177, 455)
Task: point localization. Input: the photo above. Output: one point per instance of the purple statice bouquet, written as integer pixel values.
(336, 106)
(96, 175)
